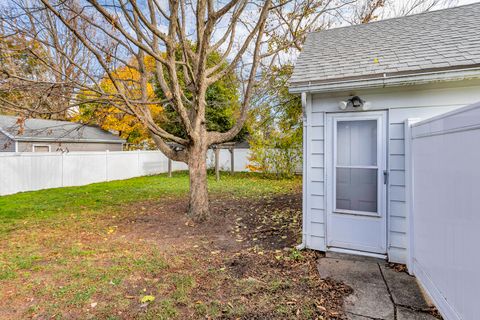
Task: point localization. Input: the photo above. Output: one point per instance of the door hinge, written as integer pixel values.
(385, 176)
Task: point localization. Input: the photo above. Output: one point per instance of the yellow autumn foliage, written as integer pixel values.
(113, 119)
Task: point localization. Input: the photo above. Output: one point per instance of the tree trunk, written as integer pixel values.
(198, 208)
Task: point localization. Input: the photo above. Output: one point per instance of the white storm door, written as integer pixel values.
(356, 207)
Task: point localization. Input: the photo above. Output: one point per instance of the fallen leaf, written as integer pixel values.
(147, 299)
(321, 308)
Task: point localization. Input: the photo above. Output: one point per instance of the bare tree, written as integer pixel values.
(178, 36)
(407, 7)
(38, 60)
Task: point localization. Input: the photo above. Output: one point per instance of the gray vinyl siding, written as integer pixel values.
(315, 178)
(397, 235)
(6, 144)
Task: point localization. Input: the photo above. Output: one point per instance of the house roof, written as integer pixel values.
(53, 130)
(443, 40)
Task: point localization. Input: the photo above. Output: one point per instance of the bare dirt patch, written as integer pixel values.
(246, 246)
(270, 222)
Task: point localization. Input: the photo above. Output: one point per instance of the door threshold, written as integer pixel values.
(358, 253)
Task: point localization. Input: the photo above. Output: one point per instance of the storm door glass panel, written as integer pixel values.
(357, 143)
(356, 166)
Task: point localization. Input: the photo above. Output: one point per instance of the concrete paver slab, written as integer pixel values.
(407, 314)
(351, 316)
(379, 292)
(370, 297)
(404, 288)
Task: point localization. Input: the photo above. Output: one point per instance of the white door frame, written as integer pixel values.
(332, 119)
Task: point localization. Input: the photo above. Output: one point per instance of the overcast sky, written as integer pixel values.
(395, 8)
(460, 2)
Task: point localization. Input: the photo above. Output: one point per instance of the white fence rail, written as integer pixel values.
(445, 153)
(34, 171)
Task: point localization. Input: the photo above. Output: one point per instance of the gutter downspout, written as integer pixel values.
(303, 245)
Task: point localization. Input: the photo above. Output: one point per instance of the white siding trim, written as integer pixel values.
(305, 171)
(409, 194)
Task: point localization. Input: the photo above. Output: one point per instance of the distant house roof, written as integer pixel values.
(242, 144)
(53, 130)
(445, 41)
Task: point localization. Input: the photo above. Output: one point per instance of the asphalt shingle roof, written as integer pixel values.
(40, 129)
(443, 39)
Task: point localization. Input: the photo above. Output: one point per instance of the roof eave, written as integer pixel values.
(386, 81)
(35, 139)
(7, 134)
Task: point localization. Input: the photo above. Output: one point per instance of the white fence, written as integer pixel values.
(445, 221)
(34, 171)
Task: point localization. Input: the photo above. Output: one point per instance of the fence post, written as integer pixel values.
(106, 165)
(62, 169)
(409, 193)
(169, 167)
(217, 164)
(232, 160)
(139, 173)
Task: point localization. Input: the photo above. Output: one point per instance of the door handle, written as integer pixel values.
(385, 176)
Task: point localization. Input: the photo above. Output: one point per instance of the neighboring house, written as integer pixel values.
(39, 135)
(360, 85)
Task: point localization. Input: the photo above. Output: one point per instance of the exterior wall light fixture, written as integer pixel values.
(355, 103)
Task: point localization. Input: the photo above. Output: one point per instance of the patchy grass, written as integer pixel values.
(125, 250)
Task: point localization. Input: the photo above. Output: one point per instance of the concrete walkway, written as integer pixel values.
(379, 292)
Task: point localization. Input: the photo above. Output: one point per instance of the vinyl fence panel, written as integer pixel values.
(152, 163)
(29, 172)
(241, 159)
(83, 168)
(121, 165)
(34, 171)
(445, 240)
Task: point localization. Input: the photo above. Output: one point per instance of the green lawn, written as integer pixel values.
(36, 205)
